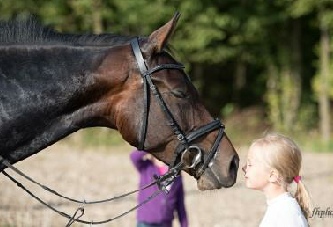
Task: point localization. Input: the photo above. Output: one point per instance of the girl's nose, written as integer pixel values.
(244, 168)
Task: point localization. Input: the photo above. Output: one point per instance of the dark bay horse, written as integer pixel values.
(53, 84)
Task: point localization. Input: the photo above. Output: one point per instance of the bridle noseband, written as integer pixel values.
(185, 140)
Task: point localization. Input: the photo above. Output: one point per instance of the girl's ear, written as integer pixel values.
(274, 176)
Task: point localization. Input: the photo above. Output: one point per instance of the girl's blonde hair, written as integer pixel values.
(283, 154)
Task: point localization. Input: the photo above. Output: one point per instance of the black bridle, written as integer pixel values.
(185, 140)
(177, 164)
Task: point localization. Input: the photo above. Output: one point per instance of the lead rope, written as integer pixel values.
(54, 192)
(72, 218)
(162, 182)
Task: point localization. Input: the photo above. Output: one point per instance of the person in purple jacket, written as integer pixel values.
(159, 212)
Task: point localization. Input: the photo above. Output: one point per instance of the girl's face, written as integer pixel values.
(255, 172)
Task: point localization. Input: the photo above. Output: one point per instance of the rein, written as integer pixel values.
(161, 181)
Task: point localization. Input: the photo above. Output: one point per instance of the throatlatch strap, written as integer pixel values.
(138, 55)
(143, 70)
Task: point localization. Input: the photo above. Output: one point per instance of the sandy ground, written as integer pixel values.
(100, 174)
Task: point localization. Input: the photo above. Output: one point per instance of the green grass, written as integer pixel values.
(95, 137)
(240, 136)
(314, 143)
(307, 140)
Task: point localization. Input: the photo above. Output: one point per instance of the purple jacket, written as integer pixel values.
(159, 210)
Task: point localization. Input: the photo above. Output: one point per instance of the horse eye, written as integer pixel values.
(179, 93)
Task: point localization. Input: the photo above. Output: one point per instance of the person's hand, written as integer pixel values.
(147, 157)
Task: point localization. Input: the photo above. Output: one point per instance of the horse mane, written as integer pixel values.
(32, 32)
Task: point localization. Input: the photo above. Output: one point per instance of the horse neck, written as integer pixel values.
(45, 92)
(58, 73)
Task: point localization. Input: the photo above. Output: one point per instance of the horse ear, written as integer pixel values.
(159, 38)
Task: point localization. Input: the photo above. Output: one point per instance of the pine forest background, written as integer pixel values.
(260, 65)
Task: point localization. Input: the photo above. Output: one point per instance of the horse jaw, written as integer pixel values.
(210, 180)
(222, 171)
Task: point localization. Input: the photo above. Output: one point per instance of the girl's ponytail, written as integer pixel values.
(303, 198)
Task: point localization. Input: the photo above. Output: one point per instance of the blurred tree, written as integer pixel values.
(323, 82)
(238, 53)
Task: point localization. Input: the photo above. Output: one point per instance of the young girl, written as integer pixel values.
(273, 163)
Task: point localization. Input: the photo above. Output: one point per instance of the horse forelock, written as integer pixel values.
(32, 32)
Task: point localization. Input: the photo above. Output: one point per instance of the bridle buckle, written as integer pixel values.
(196, 160)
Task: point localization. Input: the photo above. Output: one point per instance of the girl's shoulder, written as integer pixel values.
(287, 203)
(284, 211)
(290, 212)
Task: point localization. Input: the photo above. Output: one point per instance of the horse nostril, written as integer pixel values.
(234, 164)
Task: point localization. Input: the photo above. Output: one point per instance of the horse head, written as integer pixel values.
(158, 110)
(54, 84)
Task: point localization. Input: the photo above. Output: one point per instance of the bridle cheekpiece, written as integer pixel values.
(199, 162)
